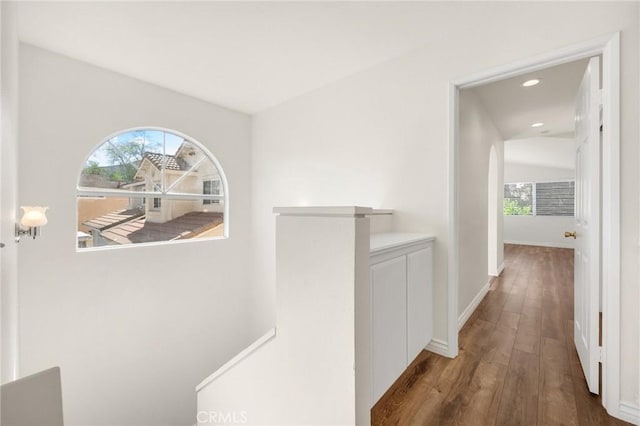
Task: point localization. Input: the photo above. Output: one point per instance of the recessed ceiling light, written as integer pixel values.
(537, 125)
(531, 82)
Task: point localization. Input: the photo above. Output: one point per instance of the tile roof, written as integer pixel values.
(171, 162)
(186, 226)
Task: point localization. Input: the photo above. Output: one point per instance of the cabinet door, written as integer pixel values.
(389, 328)
(419, 301)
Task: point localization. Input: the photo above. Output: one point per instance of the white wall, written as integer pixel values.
(134, 329)
(380, 137)
(8, 177)
(477, 135)
(514, 173)
(555, 152)
(545, 231)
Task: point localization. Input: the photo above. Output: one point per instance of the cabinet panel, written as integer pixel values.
(389, 339)
(419, 301)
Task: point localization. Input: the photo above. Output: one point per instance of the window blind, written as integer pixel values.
(555, 198)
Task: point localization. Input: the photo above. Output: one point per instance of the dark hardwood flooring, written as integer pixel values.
(517, 363)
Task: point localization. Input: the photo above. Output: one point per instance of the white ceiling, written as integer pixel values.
(541, 151)
(514, 108)
(246, 56)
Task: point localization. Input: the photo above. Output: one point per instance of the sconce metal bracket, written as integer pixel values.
(30, 231)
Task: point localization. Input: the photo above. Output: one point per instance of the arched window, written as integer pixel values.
(150, 186)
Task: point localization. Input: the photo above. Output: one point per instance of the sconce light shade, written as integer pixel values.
(33, 216)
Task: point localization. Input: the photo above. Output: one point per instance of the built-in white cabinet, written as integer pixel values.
(401, 298)
(389, 325)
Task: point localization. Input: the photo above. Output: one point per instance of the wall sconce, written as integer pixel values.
(32, 219)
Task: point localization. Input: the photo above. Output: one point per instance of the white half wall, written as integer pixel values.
(316, 370)
(547, 231)
(133, 329)
(380, 137)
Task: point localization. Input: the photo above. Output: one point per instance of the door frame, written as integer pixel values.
(609, 47)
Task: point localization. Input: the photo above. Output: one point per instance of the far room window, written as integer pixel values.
(150, 186)
(539, 198)
(555, 198)
(518, 199)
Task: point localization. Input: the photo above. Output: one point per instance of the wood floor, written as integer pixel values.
(517, 363)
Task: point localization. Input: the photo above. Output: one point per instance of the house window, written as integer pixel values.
(539, 199)
(211, 187)
(183, 181)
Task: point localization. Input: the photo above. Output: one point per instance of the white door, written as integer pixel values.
(587, 224)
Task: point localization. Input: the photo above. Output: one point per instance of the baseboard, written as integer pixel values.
(439, 347)
(498, 271)
(462, 319)
(541, 244)
(629, 412)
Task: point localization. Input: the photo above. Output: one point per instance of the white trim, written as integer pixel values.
(375, 212)
(557, 57)
(630, 412)
(611, 222)
(390, 241)
(236, 359)
(93, 192)
(452, 291)
(322, 211)
(470, 309)
(439, 347)
(500, 269)
(609, 47)
(540, 244)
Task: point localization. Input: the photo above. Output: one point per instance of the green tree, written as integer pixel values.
(93, 168)
(126, 156)
(512, 207)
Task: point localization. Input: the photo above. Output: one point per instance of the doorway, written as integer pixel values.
(609, 238)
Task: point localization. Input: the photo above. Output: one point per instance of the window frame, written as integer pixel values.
(533, 198)
(157, 203)
(210, 201)
(559, 181)
(106, 192)
(534, 212)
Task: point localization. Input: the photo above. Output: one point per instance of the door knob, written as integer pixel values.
(568, 234)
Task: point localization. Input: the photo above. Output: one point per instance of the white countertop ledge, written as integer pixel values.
(377, 212)
(387, 240)
(344, 211)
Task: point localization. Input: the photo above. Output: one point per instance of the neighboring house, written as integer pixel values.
(148, 219)
(189, 171)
